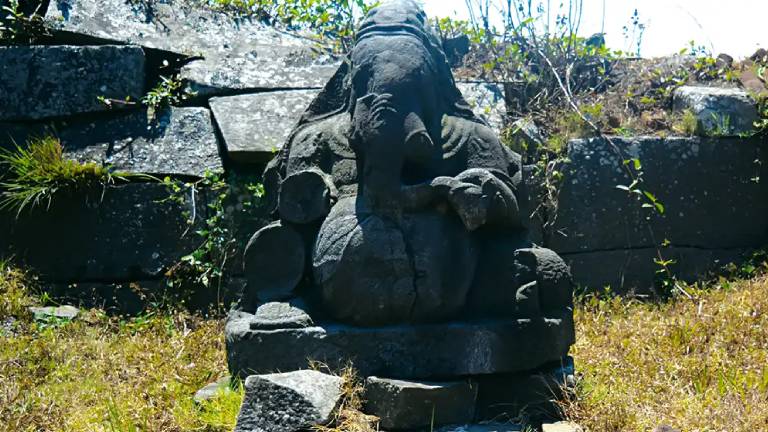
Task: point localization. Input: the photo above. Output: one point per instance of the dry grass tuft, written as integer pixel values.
(349, 415)
(15, 295)
(696, 364)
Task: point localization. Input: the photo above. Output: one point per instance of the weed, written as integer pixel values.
(686, 124)
(168, 92)
(18, 27)
(207, 264)
(39, 171)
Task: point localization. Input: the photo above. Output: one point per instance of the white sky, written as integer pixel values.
(736, 27)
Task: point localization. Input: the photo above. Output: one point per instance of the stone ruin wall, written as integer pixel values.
(251, 86)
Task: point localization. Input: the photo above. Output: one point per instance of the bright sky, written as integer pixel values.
(736, 27)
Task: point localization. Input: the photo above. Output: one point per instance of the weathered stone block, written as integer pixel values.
(404, 352)
(412, 405)
(634, 270)
(719, 111)
(288, 402)
(54, 81)
(713, 191)
(236, 53)
(126, 232)
(177, 142)
(135, 297)
(255, 126)
(487, 102)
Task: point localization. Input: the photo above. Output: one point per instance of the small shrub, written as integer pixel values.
(169, 91)
(333, 20)
(18, 27)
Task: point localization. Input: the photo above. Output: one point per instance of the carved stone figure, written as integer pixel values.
(399, 245)
(404, 205)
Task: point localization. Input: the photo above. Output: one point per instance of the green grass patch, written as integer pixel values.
(39, 171)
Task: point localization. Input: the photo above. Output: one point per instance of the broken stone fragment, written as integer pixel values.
(275, 316)
(485, 427)
(413, 404)
(210, 391)
(55, 81)
(719, 111)
(563, 426)
(288, 402)
(61, 312)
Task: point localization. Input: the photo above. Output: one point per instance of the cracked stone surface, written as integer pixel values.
(237, 53)
(708, 188)
(179, 141)
(55, 81)
(287, 402)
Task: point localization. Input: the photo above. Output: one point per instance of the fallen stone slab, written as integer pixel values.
(55, 81)
(420, 352)
(62, 312)
(402, 405)
(288, 402)
(561, 427)
(713, 192)
(178, 141)
(119, 233)
(256, 126)
(719, 111)
(237, 53)
(486, 427)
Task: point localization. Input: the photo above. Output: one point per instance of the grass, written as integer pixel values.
(38, 171)
(98, 373)
(697, 364)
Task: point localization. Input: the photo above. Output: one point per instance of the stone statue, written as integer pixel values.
(402, 206)
(399, 245)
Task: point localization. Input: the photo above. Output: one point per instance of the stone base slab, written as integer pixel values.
(420, 352)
